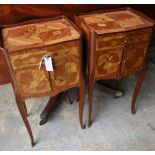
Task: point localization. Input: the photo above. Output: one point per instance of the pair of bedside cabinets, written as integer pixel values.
(45, 57)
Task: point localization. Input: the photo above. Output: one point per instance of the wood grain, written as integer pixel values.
(34, 82)
(117, 44)
(38, 35)
(109, 51)
(15, 13)
(135, 50)
(115, 21)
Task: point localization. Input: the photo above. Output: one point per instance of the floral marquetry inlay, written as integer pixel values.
(39, 34)
(114, 21)
(26, 46)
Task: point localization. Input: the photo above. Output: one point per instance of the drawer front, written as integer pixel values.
(65, 58)
(109, 53)
(135, 50)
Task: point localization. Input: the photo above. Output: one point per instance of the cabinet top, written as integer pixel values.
(115, 21)
(38, 34)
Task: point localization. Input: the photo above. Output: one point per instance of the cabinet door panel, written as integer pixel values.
(109, 53)
(66, 68)
(135, 50)
(33, 82)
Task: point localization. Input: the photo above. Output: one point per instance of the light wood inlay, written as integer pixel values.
(39, 34)
(115, 21)
(35, 82)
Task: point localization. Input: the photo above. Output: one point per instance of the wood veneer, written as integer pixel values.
(25, 45)
(15, 13)
(117, 45)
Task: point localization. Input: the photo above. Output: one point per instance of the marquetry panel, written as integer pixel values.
(120, 39)
(33, 82)
(135, 50)
(116, 21)
(65, 57)
(109, 49)
(38, 34)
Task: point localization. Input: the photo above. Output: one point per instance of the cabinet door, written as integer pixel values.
(109, 49)
(66, 66)
(34, 82)
(135, 50)
(31, 81)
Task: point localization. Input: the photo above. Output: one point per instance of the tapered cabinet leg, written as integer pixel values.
(90, 93)
(78, 95)
(81, 104)
(139, 81)
(71, 93)
(51, 107)
(22, 111)
(25, 108)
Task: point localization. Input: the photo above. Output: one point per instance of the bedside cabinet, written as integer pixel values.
(25, 47)
(117, 45)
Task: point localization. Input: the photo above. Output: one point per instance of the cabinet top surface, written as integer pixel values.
(38, 34)
(116, 21)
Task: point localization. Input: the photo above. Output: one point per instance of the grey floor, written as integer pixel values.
(114, 128)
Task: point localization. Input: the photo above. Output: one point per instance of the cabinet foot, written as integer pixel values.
(139, 81)
(51, 108)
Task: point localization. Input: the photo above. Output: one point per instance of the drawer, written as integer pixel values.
(138, 36)
(31, 58)
(109, 53)
(110, 41)
(65, 58)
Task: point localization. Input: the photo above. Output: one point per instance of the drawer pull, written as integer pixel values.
(124, 61)
(125, 41)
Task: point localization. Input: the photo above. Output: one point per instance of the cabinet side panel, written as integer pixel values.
(4, 73)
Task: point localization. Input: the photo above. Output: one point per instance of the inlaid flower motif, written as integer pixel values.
(70, 67)
(60, 80)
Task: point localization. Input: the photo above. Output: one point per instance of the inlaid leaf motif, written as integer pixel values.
(60, 81)
(115, 21)
(39, 34)
(70, 67)
(32, 81)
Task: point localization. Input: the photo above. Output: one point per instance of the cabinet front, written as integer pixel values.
(66, 66)
(34, 82)
(109, 48)
(135, 47)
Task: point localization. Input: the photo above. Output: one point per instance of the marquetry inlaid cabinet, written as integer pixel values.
(24, 46)
(117, 45)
